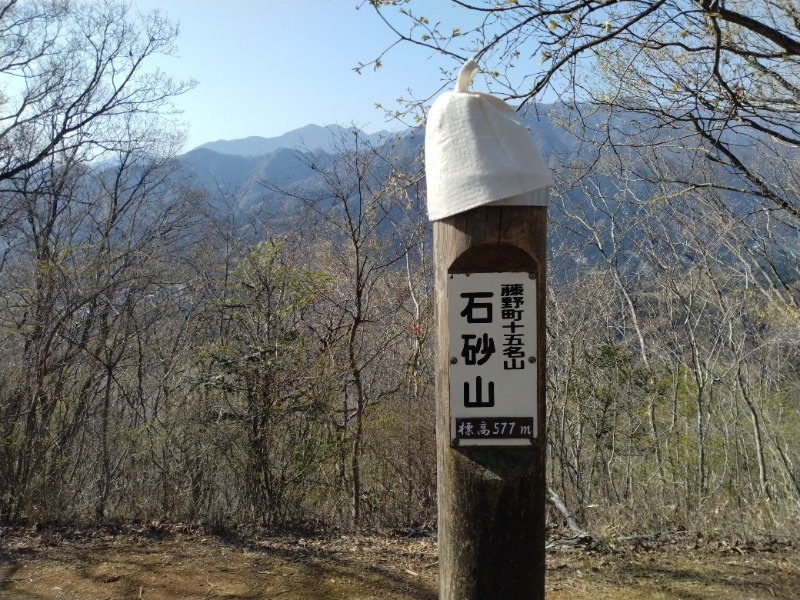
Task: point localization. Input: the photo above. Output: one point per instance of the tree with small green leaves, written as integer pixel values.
(715, 79)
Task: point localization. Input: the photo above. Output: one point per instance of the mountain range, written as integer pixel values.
(239, 166)
(308, 139)
(236, 169)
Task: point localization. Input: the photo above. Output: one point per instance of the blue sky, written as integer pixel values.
(265, 67)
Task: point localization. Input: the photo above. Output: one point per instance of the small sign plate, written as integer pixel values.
(492, 353)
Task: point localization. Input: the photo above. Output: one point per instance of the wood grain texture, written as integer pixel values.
(491, 500)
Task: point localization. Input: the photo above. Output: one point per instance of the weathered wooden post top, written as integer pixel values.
(487, 195)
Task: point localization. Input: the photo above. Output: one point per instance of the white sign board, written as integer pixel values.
(492, 352)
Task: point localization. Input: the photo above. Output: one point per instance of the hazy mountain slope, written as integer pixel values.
(308, 138)
(241, 175)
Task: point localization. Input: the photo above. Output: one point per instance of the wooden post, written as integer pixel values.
(491, 499)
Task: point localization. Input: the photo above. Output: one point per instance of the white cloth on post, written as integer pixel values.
(479, 152)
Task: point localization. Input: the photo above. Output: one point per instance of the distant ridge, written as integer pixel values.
(308, 138)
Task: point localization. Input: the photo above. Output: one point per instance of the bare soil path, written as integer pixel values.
(157, 563)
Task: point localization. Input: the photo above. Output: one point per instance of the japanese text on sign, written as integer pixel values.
(492, 345)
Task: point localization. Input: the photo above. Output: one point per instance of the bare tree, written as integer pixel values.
(81, 235)
(717, 78)
(361, 236)
(70, 71)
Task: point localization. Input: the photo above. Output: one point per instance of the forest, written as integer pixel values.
(169, 355)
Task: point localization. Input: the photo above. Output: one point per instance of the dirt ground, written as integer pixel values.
(156, 563)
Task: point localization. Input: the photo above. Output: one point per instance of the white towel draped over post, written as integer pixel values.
(479, 152)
